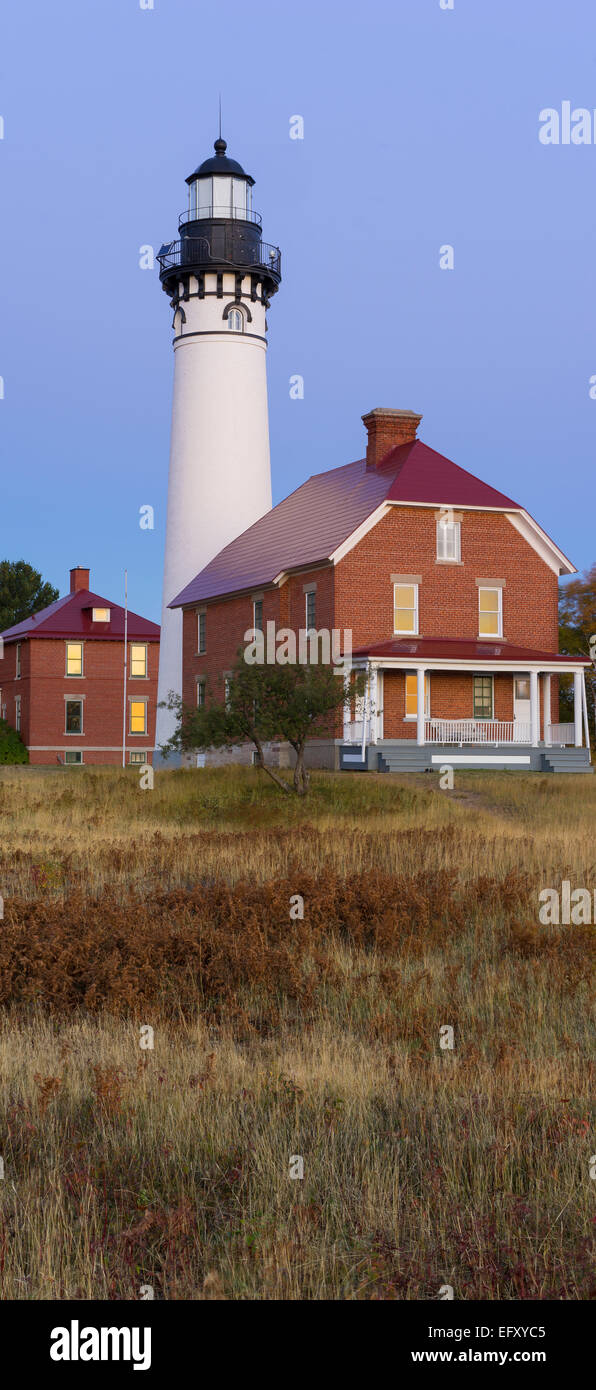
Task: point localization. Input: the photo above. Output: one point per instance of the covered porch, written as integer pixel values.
(431, 701)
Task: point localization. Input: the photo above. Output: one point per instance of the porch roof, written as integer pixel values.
(444, 649)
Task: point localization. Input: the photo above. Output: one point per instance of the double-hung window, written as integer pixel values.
(490, 612)
(258, 614)
(412, 695)
(73, 716)
(405, 608)
(74, 658)
(202, 632)
(311, 610)
(448, 539)
(138, 717)
(138, 660)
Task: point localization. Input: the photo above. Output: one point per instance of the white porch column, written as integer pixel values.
(578, 706)
(374, 700)
(585, 709)
(534, 710)
(546, 708)
(420, 713)
(347, 713)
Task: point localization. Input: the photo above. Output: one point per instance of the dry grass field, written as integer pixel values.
(277, 1035)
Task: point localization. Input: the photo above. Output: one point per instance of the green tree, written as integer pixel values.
(577, 637)
(22, 592)
(12, 748)
(265, 704)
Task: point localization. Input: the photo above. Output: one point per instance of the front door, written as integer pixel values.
(521, 709)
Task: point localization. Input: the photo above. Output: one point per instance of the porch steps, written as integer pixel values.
(410, 758)
(567, 760)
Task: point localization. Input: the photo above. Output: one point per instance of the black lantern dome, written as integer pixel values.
(219, 230)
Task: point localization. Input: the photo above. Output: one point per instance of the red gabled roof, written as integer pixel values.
(71, 617)
(309, 525)
(445, 648)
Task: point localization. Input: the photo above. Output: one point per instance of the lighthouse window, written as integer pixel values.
(236, 321)
(222, 197)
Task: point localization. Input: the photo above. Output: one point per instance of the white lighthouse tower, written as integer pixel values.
(219, 276)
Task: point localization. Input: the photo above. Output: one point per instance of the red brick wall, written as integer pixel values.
(404, 542)
(451, 697)
(358, 595)
(43, 686)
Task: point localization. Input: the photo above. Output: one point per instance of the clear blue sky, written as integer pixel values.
(420, 129)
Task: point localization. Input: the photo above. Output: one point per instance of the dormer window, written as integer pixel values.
(236, 321)
(100, 615)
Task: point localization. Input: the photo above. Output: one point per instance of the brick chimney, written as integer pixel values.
(387, 428)
(79, 579)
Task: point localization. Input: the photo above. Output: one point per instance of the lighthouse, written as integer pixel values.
(219, 277)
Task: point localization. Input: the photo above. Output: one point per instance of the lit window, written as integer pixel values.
(490, 613)
(73, 755)
(483, 697)
(258, 615)
(236, 321)
(412, 696)
(17, 713)
(100, 615)
(137, 757)
(74, 716)
(138, 659)
(311, 610)
(200, 694)
(202, 632)
(18, 666)
(74, 658)
(138, 717)
(448, 540)
(405, 607)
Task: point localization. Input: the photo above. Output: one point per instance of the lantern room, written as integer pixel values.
(219, 188)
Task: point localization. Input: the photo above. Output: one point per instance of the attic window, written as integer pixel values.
(100, 615)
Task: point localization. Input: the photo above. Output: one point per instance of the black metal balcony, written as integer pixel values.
(197, 251)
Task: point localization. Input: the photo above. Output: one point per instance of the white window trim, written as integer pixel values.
(411, 718)
(442, 527)
(74, 699)
(17, 713)
(138, 700)
(130, 674)
(201, 685)
(72, 750)
(100, 609)
(407, 631)
(18, 662)
(69, 674)
(310, 593)
(491, 589)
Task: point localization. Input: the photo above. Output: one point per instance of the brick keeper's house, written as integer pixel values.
(449, 589)
(62, 680)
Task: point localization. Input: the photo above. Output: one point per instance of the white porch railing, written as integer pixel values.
(561, 733)
(477, 731)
